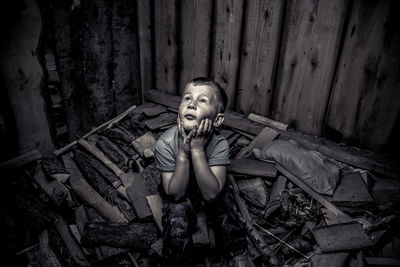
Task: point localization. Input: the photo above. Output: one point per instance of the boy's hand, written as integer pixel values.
(202, 133)
(184, 139)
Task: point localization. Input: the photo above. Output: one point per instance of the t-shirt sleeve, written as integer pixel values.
(219, 154)
(165, 159)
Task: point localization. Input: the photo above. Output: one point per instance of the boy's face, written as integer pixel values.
(198, 102)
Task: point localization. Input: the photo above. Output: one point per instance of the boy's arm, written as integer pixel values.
(211, 180)
(175, 183)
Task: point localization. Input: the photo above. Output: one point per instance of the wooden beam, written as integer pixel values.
(268, 122)
(252, 167)
(156, 204)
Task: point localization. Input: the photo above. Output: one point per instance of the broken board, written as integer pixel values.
(254, 191)
(163, 120)
(352, 191)
(252, 167)
(155, 203)
(341, 237)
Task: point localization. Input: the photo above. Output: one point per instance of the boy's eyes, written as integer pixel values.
(187, 98)
(203, 100)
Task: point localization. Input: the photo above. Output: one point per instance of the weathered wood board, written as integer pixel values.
(226, 54)
(351, 191)
(365, 96)
(310, 44)
(339, 237)
(252, 167)
(259, 56)
(166, 46)
(194, 42)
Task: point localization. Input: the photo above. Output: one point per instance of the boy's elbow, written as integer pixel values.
(175, 196)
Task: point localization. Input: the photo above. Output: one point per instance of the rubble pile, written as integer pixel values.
(95, 203)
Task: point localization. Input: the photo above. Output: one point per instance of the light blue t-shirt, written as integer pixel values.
(217, 150)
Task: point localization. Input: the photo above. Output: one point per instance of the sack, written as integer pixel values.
(313, 168)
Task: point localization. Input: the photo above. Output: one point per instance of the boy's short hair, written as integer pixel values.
(222, 97)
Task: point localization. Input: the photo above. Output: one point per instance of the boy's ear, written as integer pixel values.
(219, 119)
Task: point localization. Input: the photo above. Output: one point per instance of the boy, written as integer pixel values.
(192, 158)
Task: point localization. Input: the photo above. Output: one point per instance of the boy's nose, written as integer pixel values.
(191, 105)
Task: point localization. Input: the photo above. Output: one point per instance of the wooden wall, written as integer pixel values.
(325, 67)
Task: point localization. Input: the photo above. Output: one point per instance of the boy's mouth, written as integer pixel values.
(190, 117)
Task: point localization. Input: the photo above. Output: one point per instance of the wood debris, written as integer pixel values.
(98, 200)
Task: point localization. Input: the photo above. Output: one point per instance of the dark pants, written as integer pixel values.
(179, 221)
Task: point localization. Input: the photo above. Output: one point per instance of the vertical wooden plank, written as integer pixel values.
(126, 60)
(97, 60)
(195, 22)
(225, 61)
(259, 54)
(366, 96)
(145, 43)
(310, 43)
(166, 47)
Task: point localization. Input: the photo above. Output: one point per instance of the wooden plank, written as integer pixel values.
(156, 204)
(268, 122)
(265, 136)
(108, 123)
(334, 259)
(310, 191)
(166, 46)
(331, 218)
(137, 193)
(381, 261)
(69, 241)
(252, 167)
(310, 44)
(160, 121)
(226, 53)
(259, 57)
(126, 79)
(365, 98)
(154, 111)
(349, 155)
(144, 10)
(21, 160)
(351, 191)
(341, 237)
(253, 190)
(200, 236)
(195, 32)
(274, 201)
(147, 141)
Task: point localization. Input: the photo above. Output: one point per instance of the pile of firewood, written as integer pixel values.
(95, 201)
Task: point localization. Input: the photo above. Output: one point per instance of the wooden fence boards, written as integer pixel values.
(365, 97)
(166, 45)
(225, 60)
(195, 36)
(258, 56)
(310, 42)
(145, 43)
(125, 48)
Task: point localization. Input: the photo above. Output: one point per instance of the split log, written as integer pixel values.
(200, 235)
(69, 241)
(135, 187)
(121, 235)
(21, 160)
(108, 123)
(104, 144)
(102, 187)
(255, 237)
(54, 168)
(56, 191)
(45, 255)
(85, 192)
